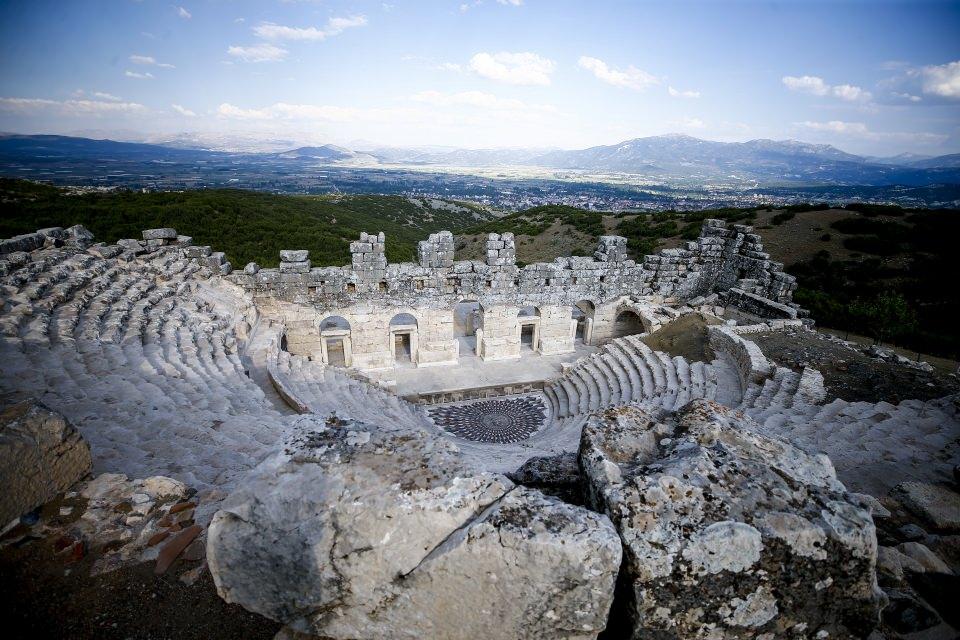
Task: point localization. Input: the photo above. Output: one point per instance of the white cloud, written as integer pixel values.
(262, 52)
(450, 66)
(334, 26)
(477, 99)
(907, 96)
(682, 94)
(286, 111)
(807, 84)
(523, 68)
(850, 93)
(836, 126)
(146, 75)
(942, 80)
(183, 13)
(183, 110)
(150, 61)
(513, 3)
(860, 130)
(817, 86)
(630, 78)
(100, 95)
(70, 107)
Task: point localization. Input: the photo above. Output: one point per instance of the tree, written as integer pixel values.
(886, 317)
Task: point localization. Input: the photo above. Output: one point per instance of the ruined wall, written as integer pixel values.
(370, 291)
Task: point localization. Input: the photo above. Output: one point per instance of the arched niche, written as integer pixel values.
(404, 339)
(336, 347)
(628, 322)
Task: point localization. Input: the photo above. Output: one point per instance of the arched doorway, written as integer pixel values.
(335, 346)
(528, 324)
(467, 319)
(582, 315)
(403, 339)
(628, 323)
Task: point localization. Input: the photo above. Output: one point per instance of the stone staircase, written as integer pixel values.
(135, 356)
(872, 446)
(325, 390)
(626, 370)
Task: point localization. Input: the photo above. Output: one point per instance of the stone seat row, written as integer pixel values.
(872, 445)
(324, 391)
(626, 370)
(149, 371)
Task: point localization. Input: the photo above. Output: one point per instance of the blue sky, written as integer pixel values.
(876, 77)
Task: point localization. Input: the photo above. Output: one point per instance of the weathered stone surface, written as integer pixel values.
(79, 236)
(924, 557)
(160, 234)
(554, 475)
(302, 266)
(729, 534)
(362, 532)
(894, 564)
(41, 454)
(938, 506)
(294, 255)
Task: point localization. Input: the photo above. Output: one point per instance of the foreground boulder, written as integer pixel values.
(360, 532)
(728, 534)
(41, 455)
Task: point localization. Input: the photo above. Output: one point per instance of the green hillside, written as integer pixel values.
(246, 225)
(881, 271)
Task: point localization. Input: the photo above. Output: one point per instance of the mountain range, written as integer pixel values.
(667, 159)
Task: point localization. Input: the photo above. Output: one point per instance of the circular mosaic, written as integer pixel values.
(501, 420)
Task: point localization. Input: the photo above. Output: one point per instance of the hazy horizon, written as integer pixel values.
(875, 79)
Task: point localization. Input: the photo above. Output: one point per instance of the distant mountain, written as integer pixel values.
(682, 153)
(327, 153)
(66, 147)
(682, 157)
(900, 160)
(453, 157)
(668, 159)
(951, 161)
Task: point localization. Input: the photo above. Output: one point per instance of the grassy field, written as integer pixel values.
(246, 225)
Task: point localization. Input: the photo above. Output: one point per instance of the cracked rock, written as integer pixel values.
(727, 533)
(41, 454)
(355, 531)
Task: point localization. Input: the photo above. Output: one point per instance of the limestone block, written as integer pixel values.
(78, 236)
(342, 535)
(938, 506)
(727, 533)
(160, 234)
(251, 268)
(197, 252)
(130, 244)
(41, 455)
(295, 267)
(216, 259)
(25, 242)
(294, 255)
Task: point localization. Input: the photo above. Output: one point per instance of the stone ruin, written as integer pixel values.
(633, 491)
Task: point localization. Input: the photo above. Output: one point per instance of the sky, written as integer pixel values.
(874, 78)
